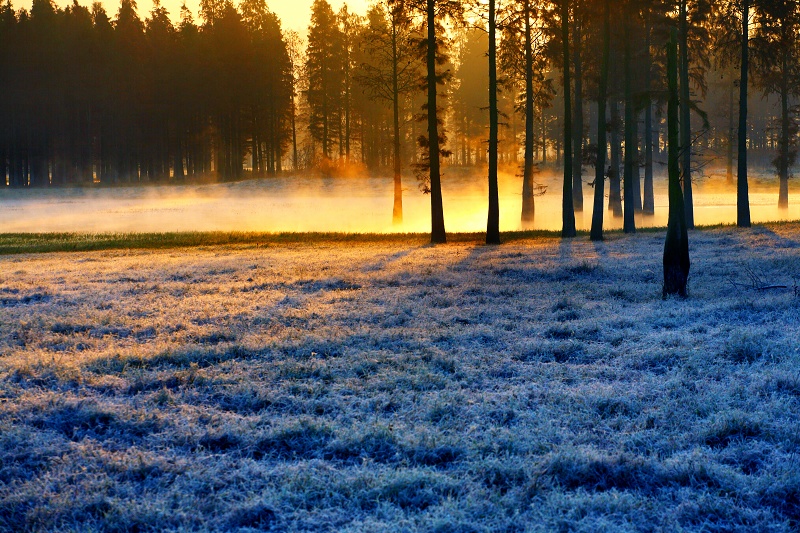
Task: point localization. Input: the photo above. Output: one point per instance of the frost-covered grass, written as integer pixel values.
(387, 385)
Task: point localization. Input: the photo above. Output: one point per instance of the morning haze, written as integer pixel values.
(429, 266)
(293, 15)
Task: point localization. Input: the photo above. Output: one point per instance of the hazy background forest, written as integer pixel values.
(117, 95)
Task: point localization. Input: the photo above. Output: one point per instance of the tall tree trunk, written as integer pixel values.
(686, 124)
(783, 155)
(528, 205)
(294, 128)
(596, 233)
(397, 208)
(731, 133)
(636, 169)
(614, 193)
(629, 221)
(568, 213)
(438, 234)
(493, 222)
(577, 165)
(544, 139)
(742, 195)
(676, 244)
(648, 206)
(254, 144)
(178, 170)
(347, 107)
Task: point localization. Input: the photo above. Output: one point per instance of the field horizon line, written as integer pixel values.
(30, 242)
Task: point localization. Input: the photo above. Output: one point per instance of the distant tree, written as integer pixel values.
(229, 54)
(468, 95)
(391, 70)
(693, 34)
(294, 49)
(648, 196)
(579, 14)
(325, 72)
(161, 98)
(732, 44)
(523, 64)
(128, 90)
(685, 114)
(349, 25)
(270, 84)
(776, 55)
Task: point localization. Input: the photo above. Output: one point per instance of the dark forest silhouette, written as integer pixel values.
(91, 99)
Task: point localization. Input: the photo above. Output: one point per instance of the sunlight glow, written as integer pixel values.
(294, 15)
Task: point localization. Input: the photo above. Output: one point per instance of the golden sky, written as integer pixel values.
(294, 14)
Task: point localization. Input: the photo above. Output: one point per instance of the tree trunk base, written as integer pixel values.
(783, 194)
(675, 279)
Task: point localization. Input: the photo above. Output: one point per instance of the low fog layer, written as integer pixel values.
(357, 205)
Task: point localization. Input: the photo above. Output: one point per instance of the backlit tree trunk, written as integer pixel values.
(676, 244)
(493, 222)
(568, 213)
(438, 234)
(742, 195)
(602, 95)
(528, 205)
(686, 125)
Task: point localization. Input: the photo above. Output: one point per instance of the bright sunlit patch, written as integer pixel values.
(355, 205)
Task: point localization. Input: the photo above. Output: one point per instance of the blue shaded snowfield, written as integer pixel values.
(393, 386)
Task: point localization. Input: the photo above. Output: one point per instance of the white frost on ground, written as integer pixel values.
(538, 385)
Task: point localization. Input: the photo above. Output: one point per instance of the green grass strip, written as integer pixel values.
(25, 243)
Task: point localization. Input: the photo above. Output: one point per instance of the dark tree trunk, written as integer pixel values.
(397, 208)
(636, 170)
(3, 163)
(577, 166)
(347, 107)
(493, 222)
(596, 233)
(528, 205)
(544, 139)
(686, 125)
(629, 221)
(648, 206)
(178, 171)
(783, 155)
(568, 213)
(254, 145)
(676, 244)
(731, 134)
(438, 234)
(742, 196)
(614, 193)
(294, 128)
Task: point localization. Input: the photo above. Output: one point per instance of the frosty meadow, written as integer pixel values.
(369, 365)
(382, 384)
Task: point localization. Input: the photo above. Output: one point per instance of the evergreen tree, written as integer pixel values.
(325, 72)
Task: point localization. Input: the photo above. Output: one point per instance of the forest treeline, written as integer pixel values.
(92, 97)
